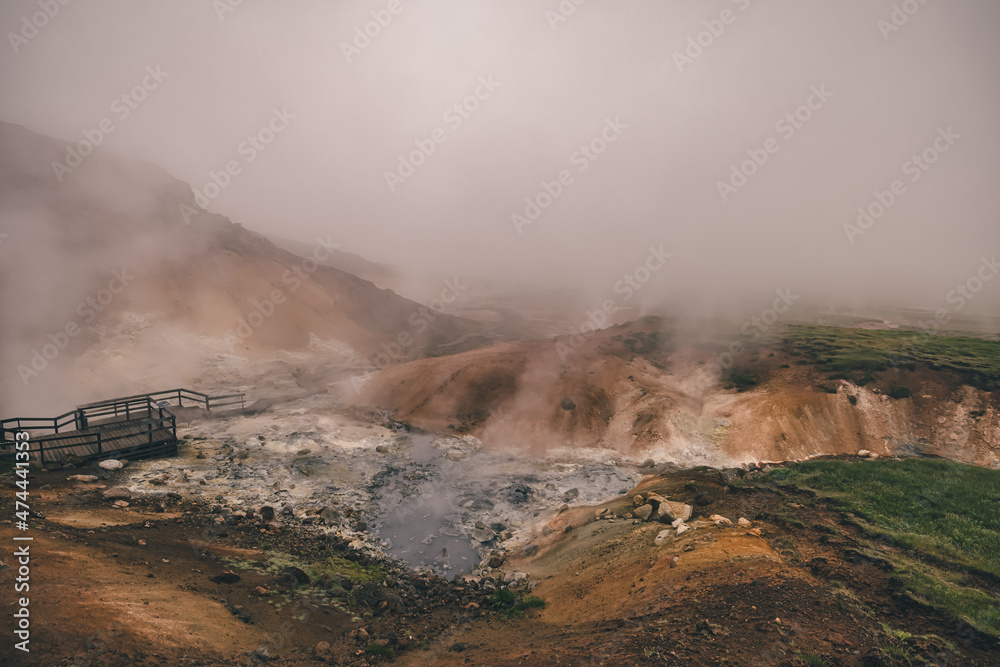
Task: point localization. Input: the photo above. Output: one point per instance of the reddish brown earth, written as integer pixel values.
(631, 388)
(99, 597)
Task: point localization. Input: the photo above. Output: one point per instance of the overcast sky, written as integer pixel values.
(676, 119)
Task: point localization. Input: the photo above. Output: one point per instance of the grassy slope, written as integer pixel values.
(935, 508)
(859, 353)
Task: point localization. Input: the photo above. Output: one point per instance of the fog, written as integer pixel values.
(671, 123)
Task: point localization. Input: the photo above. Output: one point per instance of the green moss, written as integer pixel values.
(861, 353)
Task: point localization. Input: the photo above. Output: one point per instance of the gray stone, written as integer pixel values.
(643, 512)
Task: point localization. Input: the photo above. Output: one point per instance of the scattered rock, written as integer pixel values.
(322, 650)
(683, 528)
(754, 531)
(567, 404)
(720, 520)
(381, 449)
(571, 495)
(638, 500)
(483, 534)
(863, 452)
(661, 537)
(744, 523)
(117, 493)
(260, 591)
(83, 478)
(111, 464)
(267, 513)
(122, 504)
(530, 550)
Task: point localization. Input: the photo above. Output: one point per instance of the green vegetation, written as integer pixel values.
(859, 354)
(381, 650)
(812, 660)
(934, 521)
(335, 566)
(513, 604)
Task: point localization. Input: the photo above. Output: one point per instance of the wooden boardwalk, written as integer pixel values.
(132, 427)
(125, 435)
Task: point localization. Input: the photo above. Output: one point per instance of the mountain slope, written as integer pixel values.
(111, 271)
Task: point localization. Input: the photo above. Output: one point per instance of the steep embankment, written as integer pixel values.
(631, 389)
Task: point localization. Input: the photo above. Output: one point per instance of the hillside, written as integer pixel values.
(643, 390)
(131, 279)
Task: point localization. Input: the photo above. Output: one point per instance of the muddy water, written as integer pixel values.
(442, 503)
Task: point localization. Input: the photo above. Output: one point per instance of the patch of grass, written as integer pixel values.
(942, 509)
(942, 590)
(513, 604)
(381, 650)
(861, 353)
(335, 566)
(812, 660)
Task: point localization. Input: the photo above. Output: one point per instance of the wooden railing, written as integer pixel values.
(194, 398)
(50, 436)
(97, 419)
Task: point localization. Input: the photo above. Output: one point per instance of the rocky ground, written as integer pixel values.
(309, 534)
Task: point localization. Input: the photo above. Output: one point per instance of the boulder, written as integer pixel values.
(483, 534)
(83, 478)
(267, 513)
(643, 512)
(638, 500)
(655, 499)
(744, 523)
(720, 520)
(661, 537)
(111, 464)
(669, 511)
(116, 493)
